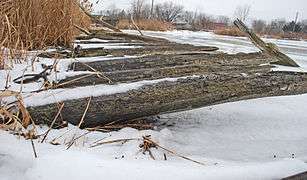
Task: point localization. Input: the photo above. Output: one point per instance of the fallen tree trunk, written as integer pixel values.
(268, 48)
(171, 60)
(155, 73)
(166, 97)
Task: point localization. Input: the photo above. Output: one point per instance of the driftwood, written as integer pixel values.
(185, 94)
(268, 48)
(163, 66)
(221, 78)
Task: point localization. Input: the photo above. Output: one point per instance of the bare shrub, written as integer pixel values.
(242, 12)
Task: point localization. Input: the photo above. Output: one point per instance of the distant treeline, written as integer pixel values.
(169, 12)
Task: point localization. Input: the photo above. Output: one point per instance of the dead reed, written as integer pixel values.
(145, 24)
(230, 31)
(36, 24)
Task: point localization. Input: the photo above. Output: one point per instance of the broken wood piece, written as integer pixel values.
(268, 48)
(136, 26)
(82, 30)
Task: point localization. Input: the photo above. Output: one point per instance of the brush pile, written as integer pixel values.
(35, 24)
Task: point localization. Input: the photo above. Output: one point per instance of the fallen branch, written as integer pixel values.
(115, 141)
(136, 26)
(82, 30)
(268, 48)
(171, 152)
(146, 146)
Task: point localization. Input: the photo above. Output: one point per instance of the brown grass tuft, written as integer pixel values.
(145, 24)
(231, 31)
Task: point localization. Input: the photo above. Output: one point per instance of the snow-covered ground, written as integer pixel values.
(253, 139)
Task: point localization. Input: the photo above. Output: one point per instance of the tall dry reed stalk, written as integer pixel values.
(35, 24)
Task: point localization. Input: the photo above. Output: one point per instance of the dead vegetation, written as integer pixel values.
(32, 24)
(36, 24)
(146, 24)
(230, 31)
(146, 146)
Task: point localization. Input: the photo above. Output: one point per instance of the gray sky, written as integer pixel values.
(260, 9)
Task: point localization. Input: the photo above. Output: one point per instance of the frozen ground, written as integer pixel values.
(254, 139)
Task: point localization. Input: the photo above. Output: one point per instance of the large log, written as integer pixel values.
(163, 66)
(171, 60)
(185, 94)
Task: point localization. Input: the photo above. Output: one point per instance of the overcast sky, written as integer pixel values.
(260, 9)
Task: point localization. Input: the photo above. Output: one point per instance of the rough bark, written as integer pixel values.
(171, 60)
(157, 67)
(165, 97)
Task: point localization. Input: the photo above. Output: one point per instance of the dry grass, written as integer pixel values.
(14, 116)
(145, 24)
(36, 24)
(231, 31)
(289, 36)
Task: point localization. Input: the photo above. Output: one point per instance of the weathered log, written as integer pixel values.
(171, 60)
(155, 73)
(71, 54)
(165, 97)
(157, 67)
(269, 48)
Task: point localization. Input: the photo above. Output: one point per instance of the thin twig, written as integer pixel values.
(115, 141)
(53, 122)
(72, 81)
(172, 152)
(99, 74)
(82, 30)
(33, 147)
(85, 111)
(80, 123)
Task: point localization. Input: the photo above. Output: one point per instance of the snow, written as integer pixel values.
(234, 140)
(108, 46)
(253, 139)
(62, 67)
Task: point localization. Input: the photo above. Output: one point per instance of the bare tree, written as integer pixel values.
(259, 26)
(242, 12)
(137, 8)
(276, 26)
(223, 19)
(168, 11)
(152, 9)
